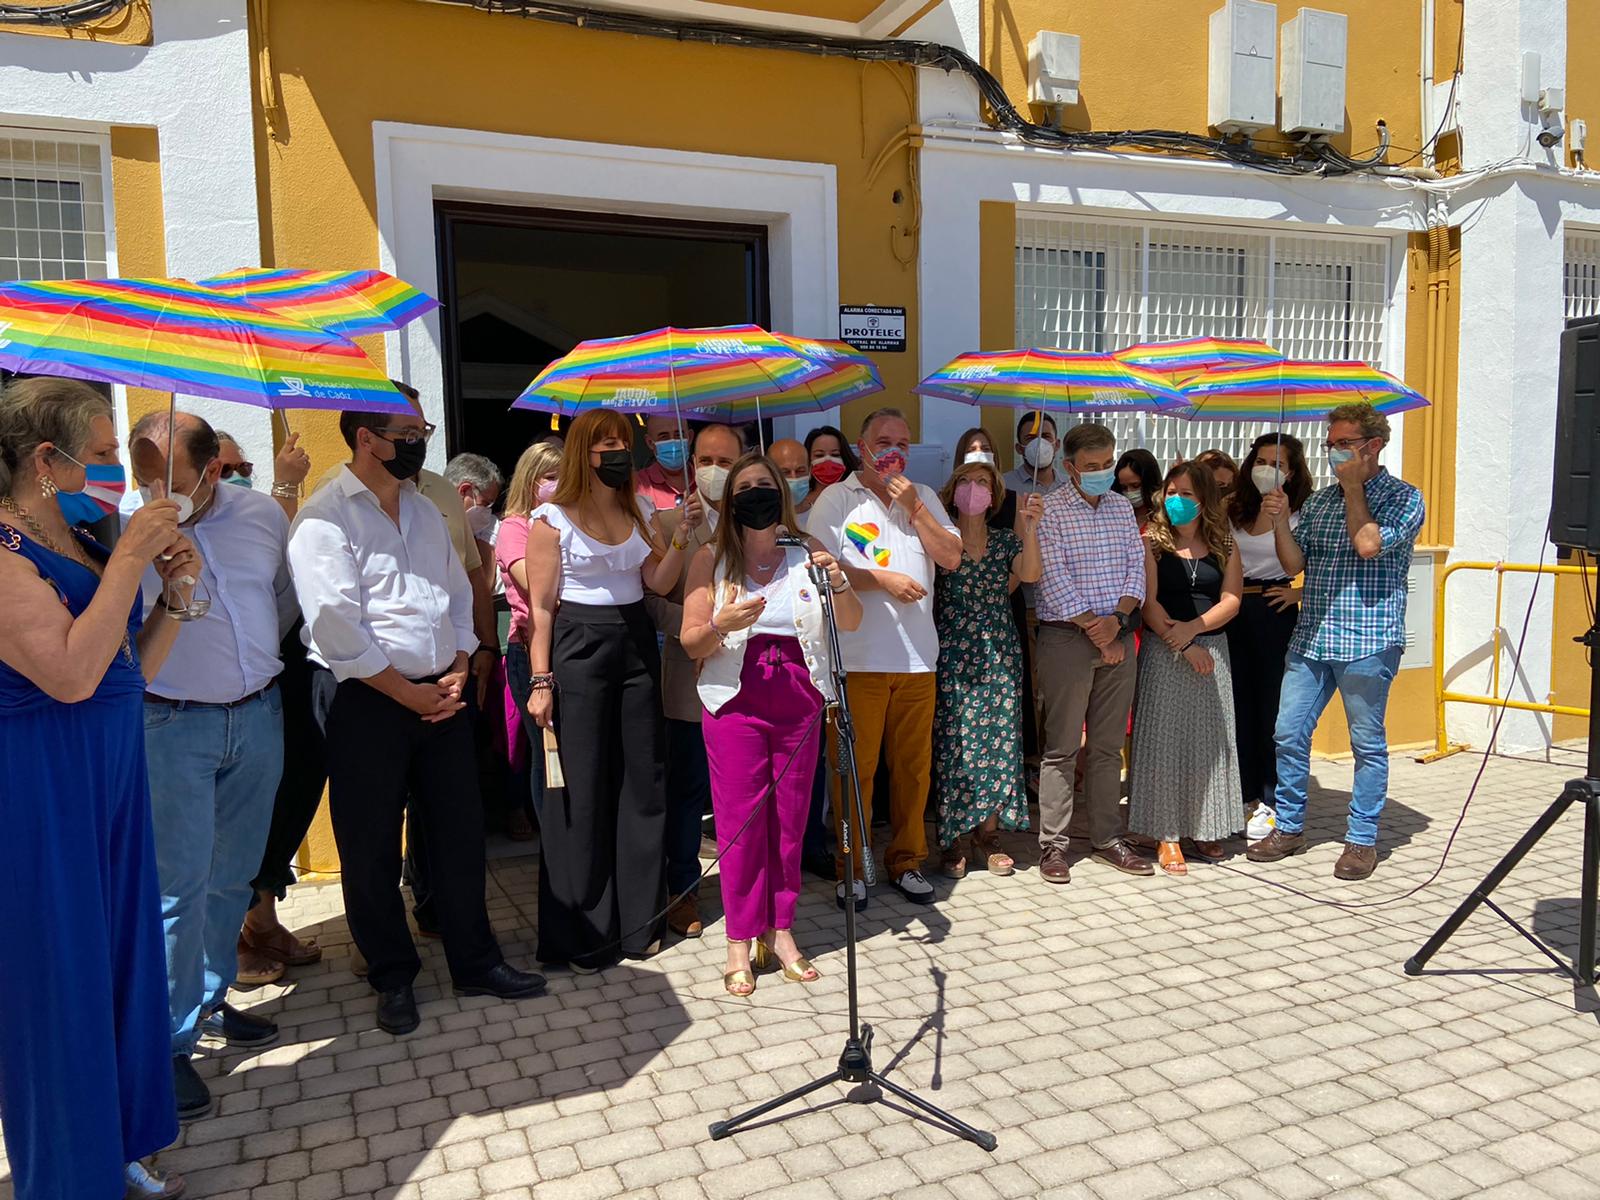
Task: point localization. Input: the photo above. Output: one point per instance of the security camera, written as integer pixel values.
(1554, 130)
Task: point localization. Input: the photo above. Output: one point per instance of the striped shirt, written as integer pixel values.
(1092, 554)
(1355, 607)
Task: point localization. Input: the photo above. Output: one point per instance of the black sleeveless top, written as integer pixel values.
(1184, 595)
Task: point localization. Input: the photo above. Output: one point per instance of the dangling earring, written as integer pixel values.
(47, 487)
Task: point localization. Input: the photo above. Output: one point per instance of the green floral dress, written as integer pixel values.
(977, 734)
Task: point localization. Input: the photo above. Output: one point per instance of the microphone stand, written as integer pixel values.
(855, 1063)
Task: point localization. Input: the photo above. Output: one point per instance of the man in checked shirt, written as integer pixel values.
(1091, 588)
(1354, 543)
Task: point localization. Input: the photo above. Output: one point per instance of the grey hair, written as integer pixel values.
(881, 414)
(474, 469)
(227, 437)
(45, 409)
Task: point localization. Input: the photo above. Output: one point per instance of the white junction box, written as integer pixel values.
(1313, 54)
(1053, 68)
(1244, 61)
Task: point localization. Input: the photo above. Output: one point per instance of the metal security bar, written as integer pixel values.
(1581, 278)
(52, 209)
(1107, 284)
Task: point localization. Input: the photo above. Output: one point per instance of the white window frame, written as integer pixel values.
(101, 141)
(1580, 272)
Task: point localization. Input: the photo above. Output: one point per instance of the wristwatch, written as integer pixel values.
(1124, 621)
(485, 648)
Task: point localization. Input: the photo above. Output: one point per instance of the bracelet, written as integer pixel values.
(677, 545)
(712, 625)
(485, 648)
(840, 590)
(543, 681)
(287, 491)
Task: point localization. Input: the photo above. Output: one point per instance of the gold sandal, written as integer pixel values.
(799, 969)
(762, 958)
(734, 979)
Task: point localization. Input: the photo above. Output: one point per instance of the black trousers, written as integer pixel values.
(1258, 641)
(602, 863)
(379, 751)
(307, 694)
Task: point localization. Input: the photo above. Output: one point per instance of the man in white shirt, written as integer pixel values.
(213, 720)
(889, 534)
(389, 612)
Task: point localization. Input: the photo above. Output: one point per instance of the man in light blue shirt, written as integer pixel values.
(213, 724)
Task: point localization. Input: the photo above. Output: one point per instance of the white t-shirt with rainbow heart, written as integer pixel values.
(865, 535)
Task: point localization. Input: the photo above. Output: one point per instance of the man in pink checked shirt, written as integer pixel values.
(1088, 596)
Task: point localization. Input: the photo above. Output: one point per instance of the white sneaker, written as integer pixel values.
(914, 887)
(1262, 822)
(860, 894)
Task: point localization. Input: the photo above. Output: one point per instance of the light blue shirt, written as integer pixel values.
(232, 651)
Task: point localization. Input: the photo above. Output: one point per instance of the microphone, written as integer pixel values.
(793, 540)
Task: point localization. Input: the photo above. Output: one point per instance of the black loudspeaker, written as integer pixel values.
(1575, 498)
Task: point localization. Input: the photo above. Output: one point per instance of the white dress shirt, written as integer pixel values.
(374, 594)
(232, 651)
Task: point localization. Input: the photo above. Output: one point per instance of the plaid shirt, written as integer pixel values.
(1355, 607)
(1093, 555)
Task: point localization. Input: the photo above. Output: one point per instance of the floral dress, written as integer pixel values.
(977, 734)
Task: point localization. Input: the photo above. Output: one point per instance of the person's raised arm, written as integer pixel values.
(938, 536)
(1027, 566)
(1291, 555)
(665, 614)
(847, 610)
(666, 562)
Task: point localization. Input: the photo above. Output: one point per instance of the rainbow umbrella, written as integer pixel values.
(850, 375)
(1293, 391)
(1187, 357)
(343, 302)
(1042, 378)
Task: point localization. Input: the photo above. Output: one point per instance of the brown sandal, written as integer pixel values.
(255, 969)
(1171, 859)
(953, 861)
(281, 946)
(996, 860)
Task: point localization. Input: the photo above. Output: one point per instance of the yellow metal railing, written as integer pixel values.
(1443, 746)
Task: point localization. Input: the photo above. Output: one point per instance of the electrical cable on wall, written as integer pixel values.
(78, 13)
(1314, 158)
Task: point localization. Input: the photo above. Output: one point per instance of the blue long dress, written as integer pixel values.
(85, 1066)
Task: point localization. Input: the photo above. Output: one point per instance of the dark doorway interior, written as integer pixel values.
(521, 286)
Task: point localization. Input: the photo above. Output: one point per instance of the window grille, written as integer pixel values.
(52, 209)
(1581, 279)
(1104, 285)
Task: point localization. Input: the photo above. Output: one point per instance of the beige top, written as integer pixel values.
(680, 700)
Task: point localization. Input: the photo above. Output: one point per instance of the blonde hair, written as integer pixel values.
(729, 546)
(45, 409)
(997, 486)
(537, 461)
(1214, 528)
(575, 483)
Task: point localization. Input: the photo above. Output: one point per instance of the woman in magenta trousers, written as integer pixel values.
(753, 618)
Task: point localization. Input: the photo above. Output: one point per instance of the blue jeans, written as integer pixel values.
(1308, 685)
(213, 775)
(519, 678)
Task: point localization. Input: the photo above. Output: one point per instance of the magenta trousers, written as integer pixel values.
(769, 729)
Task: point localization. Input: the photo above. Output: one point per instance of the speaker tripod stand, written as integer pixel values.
(1585, 791)
(855, 1062)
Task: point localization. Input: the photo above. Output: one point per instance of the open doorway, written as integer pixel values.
(522, 286)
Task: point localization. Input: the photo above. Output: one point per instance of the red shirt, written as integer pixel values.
(655, 485)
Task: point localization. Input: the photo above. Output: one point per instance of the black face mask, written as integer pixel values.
(615, 467)
(757, 507)
(408, 459)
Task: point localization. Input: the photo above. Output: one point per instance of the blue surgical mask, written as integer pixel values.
(1181, 510)
(1338, 458)
(799, 488)
(672, 454)
(103, 487)
(243, 481)
(1097, 483)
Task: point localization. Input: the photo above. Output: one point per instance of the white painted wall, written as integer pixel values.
(193, 87)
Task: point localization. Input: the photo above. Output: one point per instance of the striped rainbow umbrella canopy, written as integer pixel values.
(1187, 357)
(1056, 380)
(344, 302)
(669, 371)
(1294, 391)
(175, 336)
(850, 375)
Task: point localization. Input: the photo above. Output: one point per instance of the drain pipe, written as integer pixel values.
(1428, 118)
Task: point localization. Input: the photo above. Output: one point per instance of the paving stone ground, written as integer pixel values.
(1216, 1036)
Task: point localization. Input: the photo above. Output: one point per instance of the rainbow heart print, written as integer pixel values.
(863, 538)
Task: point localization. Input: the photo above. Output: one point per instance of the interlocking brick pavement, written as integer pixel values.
(1214, 1036)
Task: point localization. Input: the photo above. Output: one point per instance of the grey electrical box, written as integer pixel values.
(1244, 66)
(1313, 56)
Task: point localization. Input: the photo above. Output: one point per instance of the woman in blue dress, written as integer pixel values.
(85, 1047)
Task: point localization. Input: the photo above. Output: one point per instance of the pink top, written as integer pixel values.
(511, 547)
(653, 484)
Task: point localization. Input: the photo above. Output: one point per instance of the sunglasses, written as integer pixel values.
(411, 435)
(243, 470)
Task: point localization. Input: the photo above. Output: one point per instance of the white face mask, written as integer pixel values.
(978, 456)
(1265, 478)
(184, 502)
(1039, 453)
(711, 481)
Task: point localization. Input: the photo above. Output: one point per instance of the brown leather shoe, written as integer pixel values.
(683, 918)
(1276, 845)
(1125, 859)
(1357, 862)
(1053, 865)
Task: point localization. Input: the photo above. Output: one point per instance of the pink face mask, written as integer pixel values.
(972, 497)
(891, 462)
(545, 490)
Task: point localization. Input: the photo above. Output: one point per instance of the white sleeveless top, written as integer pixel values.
(593, 572)
(794, 609)
(1258, 552)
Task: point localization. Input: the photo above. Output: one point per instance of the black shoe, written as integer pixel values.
(194, 1097)
(822, 866)
(397, 1010)
(240, 1029)
(504, 982)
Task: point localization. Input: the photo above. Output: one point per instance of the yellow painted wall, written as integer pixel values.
(1583, 82)
(130, 27)
(526, 77)
(140, 225)
(1145, 63)
(997, 306)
